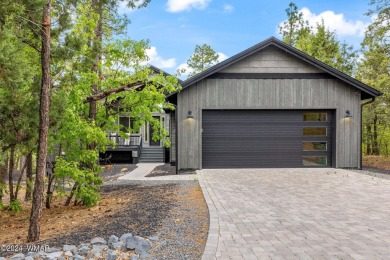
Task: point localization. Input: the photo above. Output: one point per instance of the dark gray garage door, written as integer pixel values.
(267, 138)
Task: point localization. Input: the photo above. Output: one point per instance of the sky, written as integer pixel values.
(175, 27)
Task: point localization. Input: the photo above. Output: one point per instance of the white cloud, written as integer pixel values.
(158, 61)
(222, 56)
(184, 67)
(228, 8)
(335, 22)
(176, 6)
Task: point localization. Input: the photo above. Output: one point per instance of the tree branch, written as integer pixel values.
(104, 94)
(32, 46)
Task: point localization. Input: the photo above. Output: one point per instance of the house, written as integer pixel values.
(137, 146)
(268, 106)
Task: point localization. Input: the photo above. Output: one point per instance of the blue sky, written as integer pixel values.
(174, 27)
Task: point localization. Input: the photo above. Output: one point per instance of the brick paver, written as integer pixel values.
(296, 214)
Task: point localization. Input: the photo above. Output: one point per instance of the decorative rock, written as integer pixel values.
(153, 238)
(54, 255)
(69, 248)
(51, 250)
(143, 246)
(78, 257)
(98, 240)
(145, 255)
(84, 250)
(113, 239)
(32, 254)
(125, 236)
(18, 256)
(111, 255)
(134, 257)
(118, 246)
(116, 249)
(97, 250)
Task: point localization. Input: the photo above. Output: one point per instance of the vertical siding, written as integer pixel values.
(269, 94)
(172, 134)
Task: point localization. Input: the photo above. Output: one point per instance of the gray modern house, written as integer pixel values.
(268, 106)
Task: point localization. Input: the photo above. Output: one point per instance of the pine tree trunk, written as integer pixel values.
(29, 176)
(44, 106)
(3, 176)
(369, 140)
(20, 179)
(375, 148)
(11, 174)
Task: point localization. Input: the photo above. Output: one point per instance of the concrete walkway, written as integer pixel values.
(144, 169)
(296, 214)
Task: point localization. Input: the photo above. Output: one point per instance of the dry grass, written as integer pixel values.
(379, 162)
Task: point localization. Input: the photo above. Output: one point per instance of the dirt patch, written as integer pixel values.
(377, 163)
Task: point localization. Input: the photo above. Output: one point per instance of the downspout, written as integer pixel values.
(176, 144)
(361, 130)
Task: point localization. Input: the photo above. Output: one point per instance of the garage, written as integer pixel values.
(267, 138)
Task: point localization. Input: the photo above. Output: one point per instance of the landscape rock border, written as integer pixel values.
(125, 247)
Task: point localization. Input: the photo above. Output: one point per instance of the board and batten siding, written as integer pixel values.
(269, 94)
(172, 134)
(271, 60)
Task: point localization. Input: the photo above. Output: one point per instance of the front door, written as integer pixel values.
(151, 131)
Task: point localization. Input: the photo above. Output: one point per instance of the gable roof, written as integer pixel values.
(367, 91)
(158, 70)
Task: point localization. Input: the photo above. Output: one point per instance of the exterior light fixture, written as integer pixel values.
(348, 114)
(190, 115)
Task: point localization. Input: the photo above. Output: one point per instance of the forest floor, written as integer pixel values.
(175, 211)
(380, 164)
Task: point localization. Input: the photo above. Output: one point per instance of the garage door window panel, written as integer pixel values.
(315, 117)
(315, 146)
(315, 161)
(315, 131)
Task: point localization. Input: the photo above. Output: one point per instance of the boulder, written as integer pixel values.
(111, 255)
(18, 256)
(98, 240)
(125, 236)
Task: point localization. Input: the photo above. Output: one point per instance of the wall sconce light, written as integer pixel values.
(190, 115)
(348, 114)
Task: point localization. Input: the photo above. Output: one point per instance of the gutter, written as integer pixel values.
(361, 130)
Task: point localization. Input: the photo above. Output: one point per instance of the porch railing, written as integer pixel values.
(130, 140)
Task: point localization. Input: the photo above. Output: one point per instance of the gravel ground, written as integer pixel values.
(167, 169)
(375, 172)
(170, 210)
(112, 172)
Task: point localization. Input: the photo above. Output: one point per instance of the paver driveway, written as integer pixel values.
(296, 214)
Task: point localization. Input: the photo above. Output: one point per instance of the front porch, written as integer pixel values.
(132, 149)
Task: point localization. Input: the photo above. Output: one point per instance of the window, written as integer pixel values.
(314, 131)
(314, 146)
(319, 117)
(124, 122)
(134, 125)
(314, 161)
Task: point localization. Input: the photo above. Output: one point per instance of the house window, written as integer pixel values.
(146, 131)
(124, 123)
(134, 125)
(315, 117)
